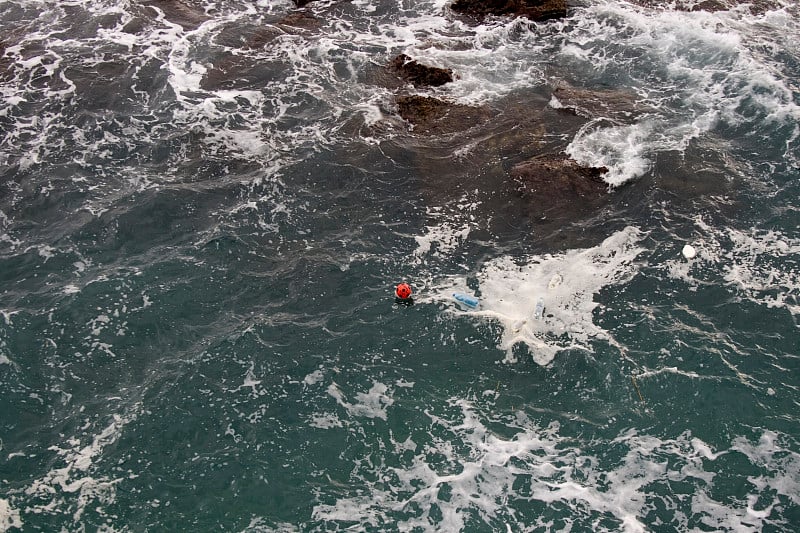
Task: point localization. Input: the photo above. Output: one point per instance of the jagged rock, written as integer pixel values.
(418, 74)
(708, 5)
(180, 12)
(614, 104)
(299, 20)
(757, 7)
(135, 26)
(257, 37)
(535, 10)
(553, 180)
(432, 115)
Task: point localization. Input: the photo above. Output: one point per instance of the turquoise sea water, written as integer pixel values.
(205, 207)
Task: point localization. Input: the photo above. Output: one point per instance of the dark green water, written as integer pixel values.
(197, 322)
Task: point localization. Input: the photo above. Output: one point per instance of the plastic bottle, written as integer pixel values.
(539, 310)
(466, 299)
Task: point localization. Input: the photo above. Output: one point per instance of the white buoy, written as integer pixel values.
(689, 252)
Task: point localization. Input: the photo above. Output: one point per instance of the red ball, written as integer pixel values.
(403, 291)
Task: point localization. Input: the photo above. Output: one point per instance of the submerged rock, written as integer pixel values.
(299, 20)
(433, 116)
(260, 36)
(418, 74)
(587, 103)
(303, 3)
(535, 10)
(554, 180)
(757, 7)
(180, 12)
(235, 70)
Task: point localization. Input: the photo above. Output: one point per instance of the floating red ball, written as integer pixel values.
(403, 291)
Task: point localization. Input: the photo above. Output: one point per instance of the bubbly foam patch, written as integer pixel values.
(702, 69)
(73, 485)
(465, 473)
(761, 265)
(567, 284)
(9, 517)
(370, 404)
(447, 229)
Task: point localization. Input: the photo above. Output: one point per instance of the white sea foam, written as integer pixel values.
(705, 68)
(7, 315)
(313, 378)
(765, 267)
(490, 60)
(760, 264)
(466, 472)
(9, 517)
(75, 486)
(568, 284)
(621, 149)
(370, 404)
(441, 239)
(447, 229)
(325, 421)
(702, 68)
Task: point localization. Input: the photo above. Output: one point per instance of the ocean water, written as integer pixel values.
(205, 207)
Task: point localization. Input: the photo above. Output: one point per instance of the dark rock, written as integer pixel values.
(709, 5)
(418, 74)
(258, 37)
(757, 7)
(614, 104)
(535, 10)
(135, 26)
(304, 3)
(235, 72)
(301, 20)
(434, 116)
(555, 180)
(180, 12)
(247, 38)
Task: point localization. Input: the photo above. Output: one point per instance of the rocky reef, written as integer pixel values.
(556, 180)
(521, 142)
(432, 116)
(180, 12)
(754, 6)
(535, 10)
(418, 74)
